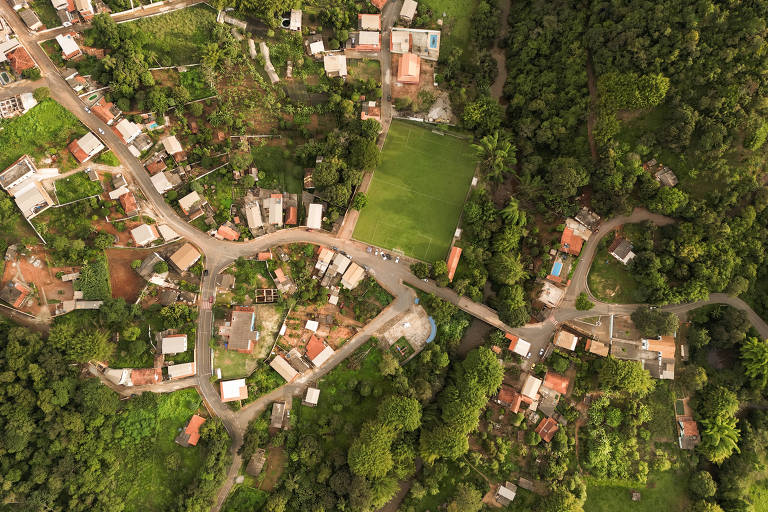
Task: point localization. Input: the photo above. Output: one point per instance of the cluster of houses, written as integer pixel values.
(17, 105)
(12, 52)
(69, 12)
(181, 260)
(22, 181)
(334, 270)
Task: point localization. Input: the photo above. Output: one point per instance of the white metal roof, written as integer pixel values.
(189, 200)
(143, 234)
(315, 216)
(316, 47)
(167, 232)
(68, 44)
(313, 394)
(312, 325)
(174, 344)
(90, 143)
(231, 388)
(171, 145)
(253, 215)
(179, 371)
(369, 38)
(522, 347)
(323, 356)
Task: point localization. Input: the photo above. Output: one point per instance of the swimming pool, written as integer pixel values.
(557, 268)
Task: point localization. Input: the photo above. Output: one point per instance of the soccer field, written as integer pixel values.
(417, 192)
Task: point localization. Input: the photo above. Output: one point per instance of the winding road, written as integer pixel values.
(395, 277)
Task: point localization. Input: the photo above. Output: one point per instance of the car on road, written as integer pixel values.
(529, 355)
(425, 280)
(344, 253)
(389, 97)
(205, 272)
(541, 352)
(366, 268)
(377, 252)
(369, 250)
(87, 110)
(210, 299)
(101, 131)
(334, 248)
(397, 260)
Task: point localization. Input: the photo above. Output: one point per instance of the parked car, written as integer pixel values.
(87, 110)
(397, 260)
(101, 131)
(369, 250)
(205, 272)
(541, 352)
(529, 355)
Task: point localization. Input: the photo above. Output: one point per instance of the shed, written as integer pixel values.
(278, 415)
(281, 366)
(311, 397)
(232, 390)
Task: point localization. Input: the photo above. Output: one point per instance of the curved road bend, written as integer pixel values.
(218, 254)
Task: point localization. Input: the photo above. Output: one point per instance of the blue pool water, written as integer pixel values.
(432, 41)
(557, 268)
(433, 331)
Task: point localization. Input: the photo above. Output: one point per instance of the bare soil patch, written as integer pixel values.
(125, 282)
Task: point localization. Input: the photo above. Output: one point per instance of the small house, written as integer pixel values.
(106, 111)
(191, 433)
(278, 415)
(315, 216)
(518, 345)
(86, 147)
(173, 344)
(531, 387)
(547, 428)
(335, 65)
(507, 492)
(256, 463)
(233, 390)
(69, 48)
(143, 234)
(181, 371)
(621, 249)
(453, 261)
(30, 19)
(409, 69)
(566, 340)
(281, 366)
(240, 331)
(369, 22)
(185, 257)
(408, 11)
(352, 276)
(317, 351)
(126, 130)
(311, 397)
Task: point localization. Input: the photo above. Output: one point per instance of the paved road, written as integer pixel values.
(393, 276)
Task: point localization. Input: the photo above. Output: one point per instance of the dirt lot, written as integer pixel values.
(341, 329)
(276, 462)
(125, 282)
(49, 288)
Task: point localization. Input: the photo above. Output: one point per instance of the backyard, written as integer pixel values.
(279, 170)
(156, 471)
(610, 280)
(45, 129)
(663, 492)
(457, 22)
(417, 193)
(177, 38)
(76, 186)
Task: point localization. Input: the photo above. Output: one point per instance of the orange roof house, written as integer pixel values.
(547, 429)
(104, 110)
(453, 261)
(143, 376)
(293, 216)
(409, 69)
(156, 166)
(556, 382)
(191, 433)
(279, 275)
(128, 201)
(570, 242)
(379, 4)
(511, 398)
(227, 233)
(664, 346)
(264, 256)
(314, 347)
(77, 151)
(20, 60)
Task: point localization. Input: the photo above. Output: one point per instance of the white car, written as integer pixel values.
(529, 355)
(397, 260)
(101, 131)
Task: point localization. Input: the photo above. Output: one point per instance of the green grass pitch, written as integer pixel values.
(417, 193)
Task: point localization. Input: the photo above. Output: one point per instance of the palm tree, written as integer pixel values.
(496, 155)
(754, 354)
(512, 214)
(530, 185)
(720, 438)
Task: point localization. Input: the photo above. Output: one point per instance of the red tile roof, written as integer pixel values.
(129, 202)
(77, 151)
(279, 275)
(20, 60)
(506, 394)
(156, 166)
(547, 429)
(103, 111)
(264, 256)
(142, 376)
(556, 382)
(379, 4)
(193, 429)
(24, 292)
(570, 242)
(314, 347)
(228, 233)
(690, 428)
(512, 340)
(293, 216)
(453, 261)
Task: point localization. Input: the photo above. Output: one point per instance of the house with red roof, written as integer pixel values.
(556, 382)
(547, 428)
(106, 111)
(518, 345)
(128, 202)
(453, 261)
(156, 166)
(379, 4)
(191, 433)
(293, 216)
(227, 232)
(512, 399)
(570, 242)
(409, 69)
(15, 293)
(20, 60)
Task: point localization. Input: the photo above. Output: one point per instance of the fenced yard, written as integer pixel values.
(418, 192)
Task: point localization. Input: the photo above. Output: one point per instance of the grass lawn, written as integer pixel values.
(456, 24)
(107, 158)
(195, 83)
(280, 171)
(76, 186)
(417, 193)
(233, 364)
(663, 492)
(177, 38)
(661, 403)
(245, 498)
(146, 480)
(610, 281)
(46, 129)
(46, 13)
(363, 69)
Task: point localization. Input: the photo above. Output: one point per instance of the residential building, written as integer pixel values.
(369, 22)
(340, 264)
(556, 382)
(588, 218)
(227, 231)
(317, 351)
(511, 398)
(167, 232)
(666, 177)
(368, 41)
(253, 216)
(191, 433)
(106, 111)
(185, 257)
(621, 249)
(352, 276)
(126, 130)
(315, 216)
(85, 8)
(293, 216)
(518, 345)
(551, 295)
(597, 347)
(173, 344)
(283, 282)
(191, 204)
(316, 47)
(531, 387)
(144, 234)
(566, 340)
(453, 261)
(276, 209)
(118, 180)
(21, 183)
(408, 11)
(15, 293)
(370, 110)
(161, 182)
(570, 242)
(423, 43)
(17, 105)
(173, 147)
(409, 69)
(547, 428)
(18, 172)
(19, 59)
(155, 166)
(335, 65)
(281, 366)
(66, 18)
(18, 4)
(311, 397)
(256, 464)
(118, 192)
(60, 4)
(312, 325)
(181, 371)
(86, 147)
(379, 4)
(31, 20)
(233, 390)
(69, 48)
(324, 257)
(278, 415)
(507, 492)
(240, 330)
(687, 433)
(400, 41)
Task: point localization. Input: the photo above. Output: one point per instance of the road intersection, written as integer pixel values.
(395, 277)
